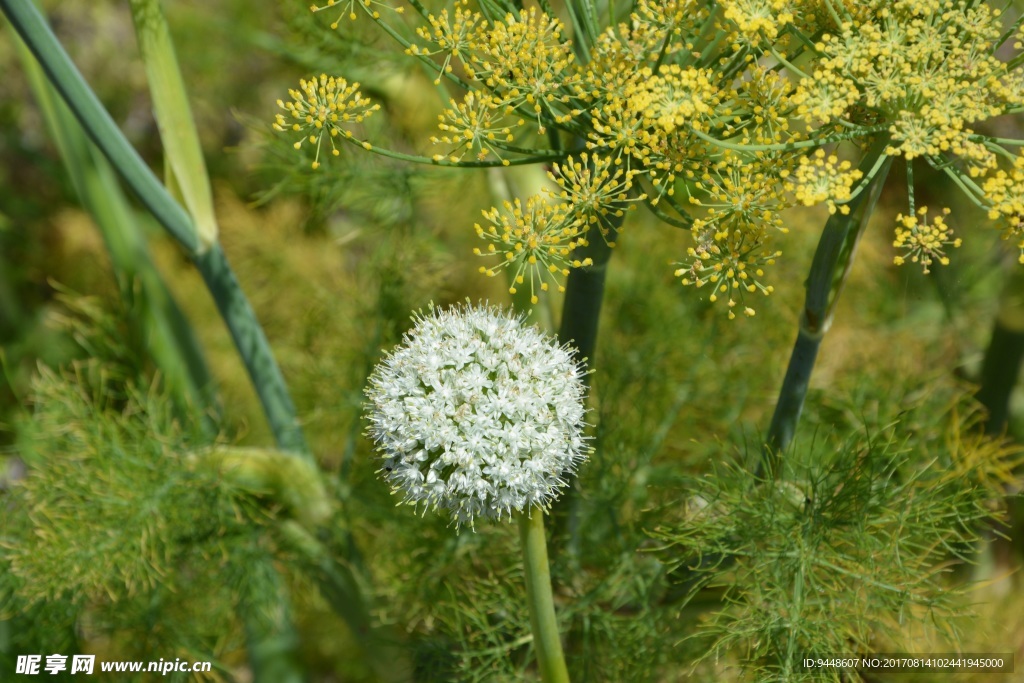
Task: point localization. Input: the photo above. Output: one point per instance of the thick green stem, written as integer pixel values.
(829, 270)
(581, 311)
(793, 392)
(999, 373)
(541, 602)
(253, 347)
(1004, 355)
(584, 294)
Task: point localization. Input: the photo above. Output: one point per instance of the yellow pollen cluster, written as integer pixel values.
(758, 20)
(1004, 192)
(731, 271)
(675, 97)
(321, 106)
(824, 97)
(717, 115)
(453, 37)
(923, 242)
(478, 125)
(767, 96)
(535, 241)
(927, 68)
(348, 8)
(821, 179)
(742, 199)
(596, 189)
(526, 63)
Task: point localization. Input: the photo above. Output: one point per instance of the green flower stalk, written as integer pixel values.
(481, 416)
(539, 598)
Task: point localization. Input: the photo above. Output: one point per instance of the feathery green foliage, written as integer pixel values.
(846, 545)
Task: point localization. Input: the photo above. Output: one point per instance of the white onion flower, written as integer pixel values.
(478, 414)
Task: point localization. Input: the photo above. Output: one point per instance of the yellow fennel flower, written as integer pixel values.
(320, 107)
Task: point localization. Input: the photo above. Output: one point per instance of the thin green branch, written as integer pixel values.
(788, 146)
(685, 219)
(969, 187)
(869, 176)
(1001, 141)
(910, 187)
(789, 65)
(835, 15)
(547, 155)
(579, 41)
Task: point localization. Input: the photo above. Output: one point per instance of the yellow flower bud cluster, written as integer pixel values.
(320, 107)
(453, 37)
(923, 242)
(821, 179)
(597, 190)
(478, 125)
(535, 242)
(716, 115)
(1004, 192)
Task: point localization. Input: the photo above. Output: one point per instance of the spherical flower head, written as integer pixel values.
(477, 414)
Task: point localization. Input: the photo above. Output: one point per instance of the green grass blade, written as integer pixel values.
(183, 152)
